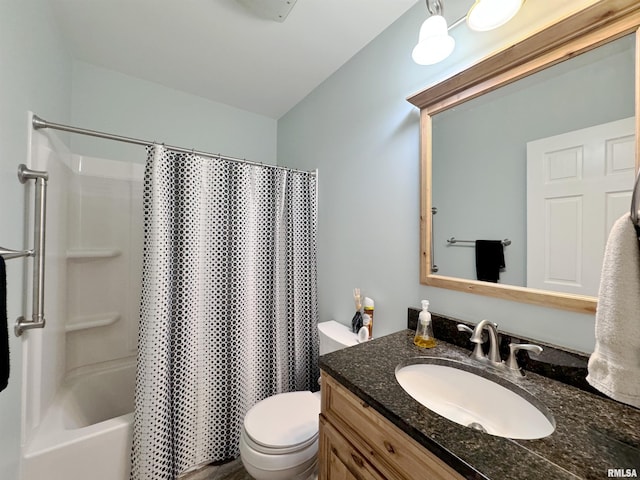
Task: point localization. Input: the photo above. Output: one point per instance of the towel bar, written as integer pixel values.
(37, 252)
(505, 243)
(8, 254)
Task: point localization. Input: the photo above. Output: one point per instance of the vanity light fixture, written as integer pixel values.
(434, 42)
(486, 15)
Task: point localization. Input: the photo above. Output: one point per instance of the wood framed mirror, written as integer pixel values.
(599, 25)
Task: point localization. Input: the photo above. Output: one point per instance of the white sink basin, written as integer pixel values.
(473, 398)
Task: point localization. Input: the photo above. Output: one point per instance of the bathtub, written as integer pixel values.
(87, 431)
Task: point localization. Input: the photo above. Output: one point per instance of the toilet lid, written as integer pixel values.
(284, 420)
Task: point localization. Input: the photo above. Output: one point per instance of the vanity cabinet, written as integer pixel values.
(356, 442)
(339, 460)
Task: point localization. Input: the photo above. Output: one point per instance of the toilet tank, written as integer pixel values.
(334, 336)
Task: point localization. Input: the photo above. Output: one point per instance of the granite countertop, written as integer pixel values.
(593, 434)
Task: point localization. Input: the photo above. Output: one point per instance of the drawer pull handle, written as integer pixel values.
(358, 461)
(389, 447)
(364, 404)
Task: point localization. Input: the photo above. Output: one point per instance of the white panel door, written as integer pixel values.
(578, 184)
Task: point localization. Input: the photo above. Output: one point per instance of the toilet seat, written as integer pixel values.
(279, 437)
(284, 423)
(258, 447)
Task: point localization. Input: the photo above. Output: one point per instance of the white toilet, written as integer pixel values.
(279, 439)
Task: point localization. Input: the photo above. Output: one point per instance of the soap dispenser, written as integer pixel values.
(424, 332)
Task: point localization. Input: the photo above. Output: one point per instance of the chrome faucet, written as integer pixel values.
(494, 353)
(493, 358)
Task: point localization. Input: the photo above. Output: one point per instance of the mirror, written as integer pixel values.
(489, 132)
(483, 150)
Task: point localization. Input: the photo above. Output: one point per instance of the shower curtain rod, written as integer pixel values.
(39, 123)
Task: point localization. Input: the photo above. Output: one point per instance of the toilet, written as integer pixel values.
(279, 438)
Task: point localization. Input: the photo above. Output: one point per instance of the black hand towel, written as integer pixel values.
(489, 260)
(4, 333)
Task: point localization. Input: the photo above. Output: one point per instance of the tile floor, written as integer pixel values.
(233, 470)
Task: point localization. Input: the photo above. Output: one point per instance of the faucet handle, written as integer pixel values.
(464, 328)
(477, 350)
(512, 362)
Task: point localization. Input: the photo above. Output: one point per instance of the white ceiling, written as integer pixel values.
(220, 50)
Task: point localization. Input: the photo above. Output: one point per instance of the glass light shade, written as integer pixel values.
(434, 42)
(489, 14)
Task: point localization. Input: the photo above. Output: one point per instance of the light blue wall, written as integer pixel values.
(35, 74)
(109, 101)
(362, 134)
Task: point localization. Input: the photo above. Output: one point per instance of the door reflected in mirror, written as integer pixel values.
(547, 162)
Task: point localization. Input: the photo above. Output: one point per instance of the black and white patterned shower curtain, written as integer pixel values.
(229, 306)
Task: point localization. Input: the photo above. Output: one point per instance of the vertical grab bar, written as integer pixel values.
(40, 207)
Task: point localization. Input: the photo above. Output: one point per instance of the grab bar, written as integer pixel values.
(40, 207)
(505, 243)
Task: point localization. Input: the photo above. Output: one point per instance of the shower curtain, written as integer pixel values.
(229, 304)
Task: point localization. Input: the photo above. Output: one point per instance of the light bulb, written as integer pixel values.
(486, 15)
(434, 42)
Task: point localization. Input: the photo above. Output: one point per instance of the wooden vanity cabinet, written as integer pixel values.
(356, 442)
(339, 460)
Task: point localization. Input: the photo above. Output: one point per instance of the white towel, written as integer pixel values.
(614, 366)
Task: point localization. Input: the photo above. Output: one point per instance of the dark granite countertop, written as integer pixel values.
(593, 434)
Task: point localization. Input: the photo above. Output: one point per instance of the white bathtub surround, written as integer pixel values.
(86, 432)
(79, 371)
(104, 261)
(229, 306)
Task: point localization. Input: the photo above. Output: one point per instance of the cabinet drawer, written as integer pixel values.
(391, 451)
(339, 460)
